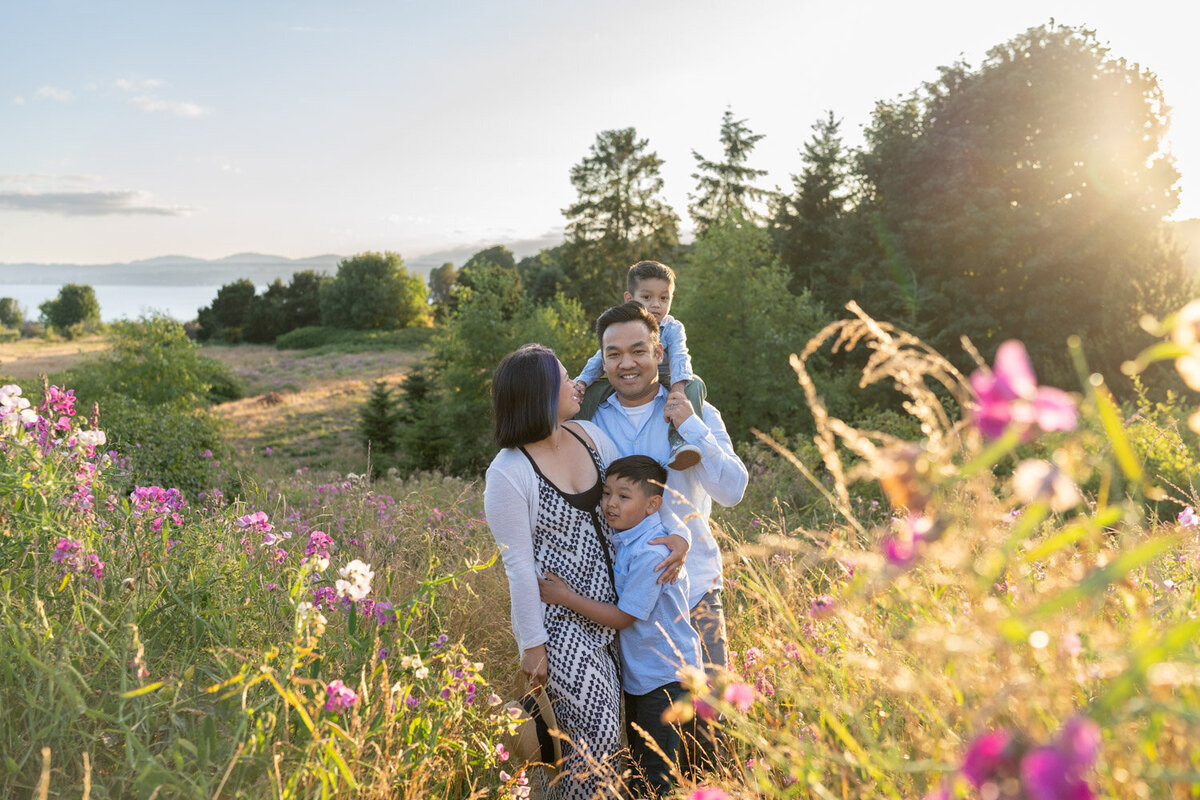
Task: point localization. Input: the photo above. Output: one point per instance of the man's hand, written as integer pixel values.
(535, 665)
(678, 407)
(554, 589)
(673, 563)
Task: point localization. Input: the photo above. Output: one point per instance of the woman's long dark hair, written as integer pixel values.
(525, 396)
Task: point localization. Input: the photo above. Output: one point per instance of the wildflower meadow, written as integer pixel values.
(1002, 605)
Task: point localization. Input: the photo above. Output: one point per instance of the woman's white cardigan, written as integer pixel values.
(510, 503)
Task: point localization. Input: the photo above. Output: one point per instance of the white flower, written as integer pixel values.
(1035, 480)
(91, 438)
(421, 674)
(357, 580)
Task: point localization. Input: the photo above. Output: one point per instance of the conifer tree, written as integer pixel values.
(726, 187)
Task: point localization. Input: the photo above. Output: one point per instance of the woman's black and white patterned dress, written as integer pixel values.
(584, 682)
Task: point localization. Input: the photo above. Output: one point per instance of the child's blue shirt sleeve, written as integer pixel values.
(592, 370)
(640, 587)
(674, 339)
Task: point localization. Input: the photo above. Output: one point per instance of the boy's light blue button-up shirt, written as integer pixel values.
(719, 476)
(662, 638)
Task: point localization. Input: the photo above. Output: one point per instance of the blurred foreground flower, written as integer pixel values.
(1035, 480)
(1009, 395)
(708, 793)
(1188, 518)
(1048, 772)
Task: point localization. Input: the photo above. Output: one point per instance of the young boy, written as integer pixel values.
(656, 634)
(653, 285)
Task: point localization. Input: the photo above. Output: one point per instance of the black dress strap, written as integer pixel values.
(589, 498)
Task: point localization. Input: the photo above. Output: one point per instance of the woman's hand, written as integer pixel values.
(554, 589)
(673, 563)
(535, 665)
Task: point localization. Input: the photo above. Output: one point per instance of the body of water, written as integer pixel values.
(121, 302)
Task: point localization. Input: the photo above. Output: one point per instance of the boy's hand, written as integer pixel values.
(580, 388)
(678, 407)
(673, 563)
(554, 589)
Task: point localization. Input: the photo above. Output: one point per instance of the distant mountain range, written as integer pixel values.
(257, 267)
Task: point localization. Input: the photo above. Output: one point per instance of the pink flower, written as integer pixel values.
(703, 709)
(984, 757)
(339, 696)
(822, 605)
(1009, 395)
(739, 695)
(501, 753)
(900, 549)
(1188, 518)
(708, 793)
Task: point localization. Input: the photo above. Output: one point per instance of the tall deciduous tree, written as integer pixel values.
(231, 310)
(1027, 200)
(11, 313)
(806, 223)
(441, 282)
(725, 188)
(373, 291)
(619, 217)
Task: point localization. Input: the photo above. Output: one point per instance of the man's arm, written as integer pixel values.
(721, 472)
(554, 590)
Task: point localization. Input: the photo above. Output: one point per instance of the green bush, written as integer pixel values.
(343, 340)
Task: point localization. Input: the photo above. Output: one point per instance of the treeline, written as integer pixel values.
(371, 291)
(1024, 198)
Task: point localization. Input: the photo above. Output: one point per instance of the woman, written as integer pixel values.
(542, 502)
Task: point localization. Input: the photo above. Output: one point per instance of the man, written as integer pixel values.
(636, 417)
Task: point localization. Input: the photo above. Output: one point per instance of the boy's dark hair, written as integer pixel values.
(643, 470)
(633, 311)
(648, 269)
(525, 396)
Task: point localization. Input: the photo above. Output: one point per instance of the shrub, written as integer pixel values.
(73, 312)
(342, 340)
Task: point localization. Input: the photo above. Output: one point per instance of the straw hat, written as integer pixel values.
(533, 742)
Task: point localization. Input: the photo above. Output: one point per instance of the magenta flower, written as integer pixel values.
(1047, 774)
(822, 605)
(256, 522)
(339, 696)
(708, 793)
(1009, 395)
(984, 757)
(739, 695)
(703, 709)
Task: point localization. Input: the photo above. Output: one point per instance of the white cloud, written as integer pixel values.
(54, 93)
(151, 104)
(18, 100)
(88, 204)
(137, 85)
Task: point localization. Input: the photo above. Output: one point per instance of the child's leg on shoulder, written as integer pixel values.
(593, 396)
(696, 394)
(646, 712)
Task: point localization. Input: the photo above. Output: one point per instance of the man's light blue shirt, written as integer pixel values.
(661, 639)
(719, 476)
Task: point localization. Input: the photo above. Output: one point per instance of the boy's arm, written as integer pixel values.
(592, 370)
(555, 590)
(674, 339)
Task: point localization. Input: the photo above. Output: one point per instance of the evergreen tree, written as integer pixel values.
(619, 217)
(725, 188)
(379, 428)
(805, 225)
(302, 301)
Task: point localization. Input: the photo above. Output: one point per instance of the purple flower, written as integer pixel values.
(822, 605)
(1188, 518)
(1046, 774)
(984, 757)
(1009, 395)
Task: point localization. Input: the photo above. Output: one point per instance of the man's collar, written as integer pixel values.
(615, 401)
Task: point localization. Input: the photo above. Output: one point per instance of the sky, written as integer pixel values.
(136, 129)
